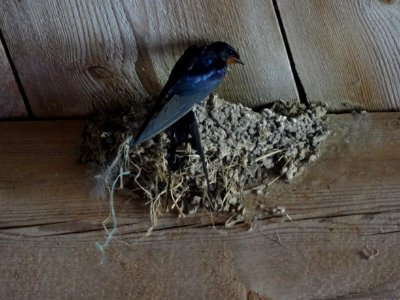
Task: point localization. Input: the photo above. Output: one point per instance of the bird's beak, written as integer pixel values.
(234, 60)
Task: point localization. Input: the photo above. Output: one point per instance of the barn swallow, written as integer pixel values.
(194, 77)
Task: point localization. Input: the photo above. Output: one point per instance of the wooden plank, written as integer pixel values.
(344, 204)
(73, 56)
(168, 27)
(358, 172)
(11, 103)
(318, 259)
(346, 52)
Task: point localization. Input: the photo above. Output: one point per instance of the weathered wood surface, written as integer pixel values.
(250, 25)
(345, 203)
(75, 55)
(11, 103)
(346, 52)
(71, 56)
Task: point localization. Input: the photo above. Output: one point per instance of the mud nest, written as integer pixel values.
(246, 151)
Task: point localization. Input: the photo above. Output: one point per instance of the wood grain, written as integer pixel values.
(11, 103)
(166, 28)
(346, 53)
(344, 204)
(73, 56)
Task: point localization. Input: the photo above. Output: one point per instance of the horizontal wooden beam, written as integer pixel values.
(342, 240)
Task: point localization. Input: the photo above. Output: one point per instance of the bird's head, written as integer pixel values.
(226, 53)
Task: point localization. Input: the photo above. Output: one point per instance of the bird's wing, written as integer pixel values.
(175, 109)
(189, 83)
(184, 63)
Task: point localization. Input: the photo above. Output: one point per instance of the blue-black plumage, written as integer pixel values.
(194, 77)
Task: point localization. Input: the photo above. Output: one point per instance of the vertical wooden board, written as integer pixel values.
(11, 103)
(347, 52)
(73, 55)
(165, 28)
